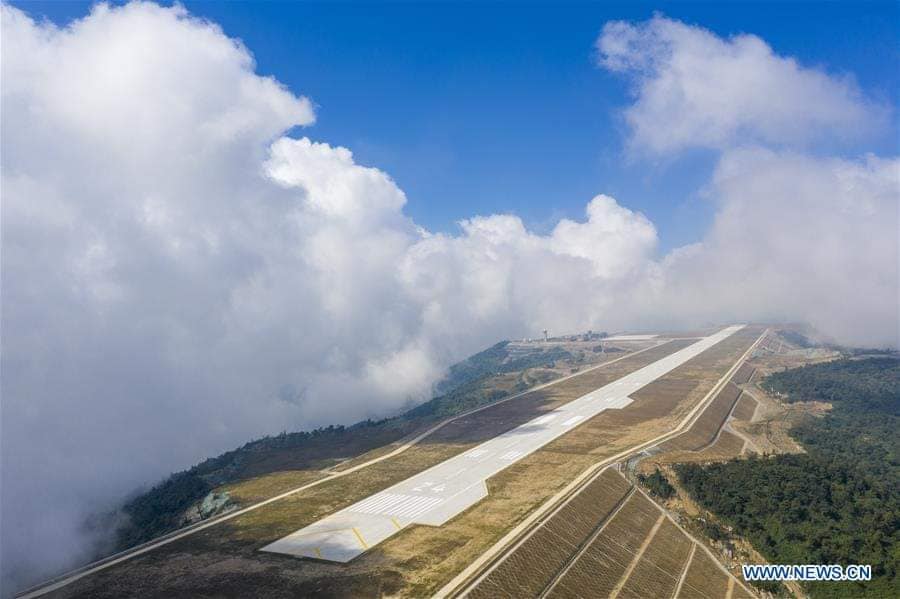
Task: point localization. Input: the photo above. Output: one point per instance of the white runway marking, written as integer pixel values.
(376, 503)
(413, 506)
(441, 492)
(511, 455)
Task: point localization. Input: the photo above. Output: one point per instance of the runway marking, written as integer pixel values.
(619, 402)
(479, 569)
(359, 537)
(397, 524)
(413, 507)
(572, 420)
(318, 553)
(412, 500)
(377, 503)
(407, 506)
(110, 561)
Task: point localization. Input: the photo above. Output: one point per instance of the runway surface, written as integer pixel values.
(436, 495)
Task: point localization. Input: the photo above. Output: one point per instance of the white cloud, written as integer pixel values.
(799, 239)
(695, 89)
(178, 277)
(614, 239)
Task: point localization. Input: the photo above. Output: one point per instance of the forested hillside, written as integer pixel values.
(838, 503)
(468, 385)
(495, 360)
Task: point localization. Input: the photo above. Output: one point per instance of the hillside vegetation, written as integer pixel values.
(469, 384)
(840, 502)
(496, 359)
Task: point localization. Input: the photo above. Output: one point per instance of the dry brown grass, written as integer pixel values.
(743, 374)
(656, 575)
(262, 487)
(528, 570)
(740, 593)
(704, 430)
(704, 580)
(745, 408)
(768, 432)
(727, 446)
(599, 569)
(417, 561)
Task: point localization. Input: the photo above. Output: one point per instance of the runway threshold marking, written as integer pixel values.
(436, 495)
(65, 579)
(475, 572)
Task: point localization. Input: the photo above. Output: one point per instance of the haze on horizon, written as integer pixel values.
(187, 266)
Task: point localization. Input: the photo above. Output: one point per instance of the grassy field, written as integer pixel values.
(745, 408)
(744, 374)
(727, 446)
(485, 378)
(224, 560)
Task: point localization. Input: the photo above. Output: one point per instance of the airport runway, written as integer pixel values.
(436, 495)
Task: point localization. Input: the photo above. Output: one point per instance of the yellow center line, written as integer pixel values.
(318, 553)
(397, 524)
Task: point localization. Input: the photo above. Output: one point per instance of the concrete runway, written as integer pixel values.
(436, 495)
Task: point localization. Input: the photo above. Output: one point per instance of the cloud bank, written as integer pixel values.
(179, 275)
(796, 239)
(695, 89)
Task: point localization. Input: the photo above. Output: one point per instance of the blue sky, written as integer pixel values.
(480, 108)
(185, 305)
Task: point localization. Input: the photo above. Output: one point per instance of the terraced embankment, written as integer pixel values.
(224, 560)
(608, 541)
(532, 568)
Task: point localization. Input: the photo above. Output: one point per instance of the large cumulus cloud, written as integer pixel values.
(797, 235)
(179, 275)
(797, 239)
(695, 89)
